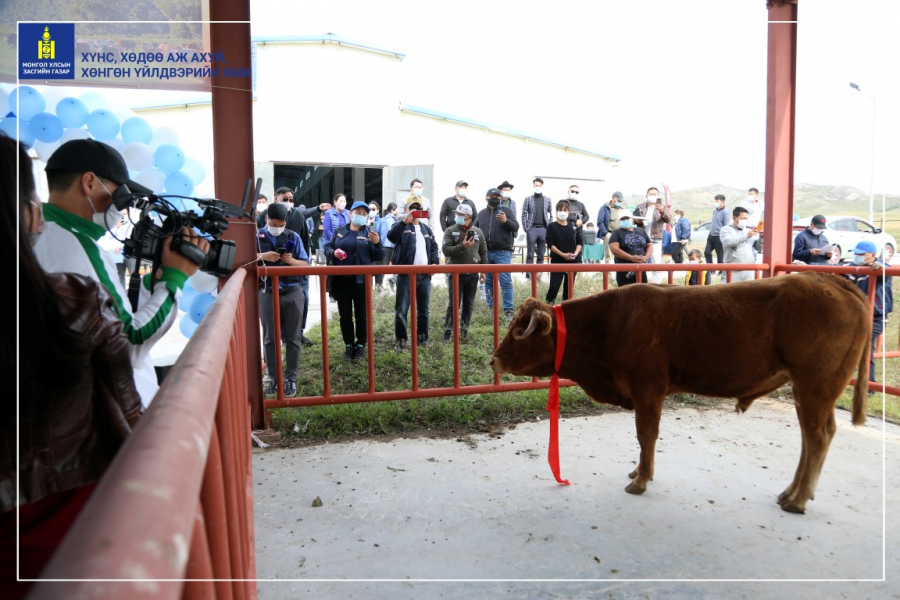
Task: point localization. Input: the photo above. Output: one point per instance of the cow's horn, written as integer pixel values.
(532, 325)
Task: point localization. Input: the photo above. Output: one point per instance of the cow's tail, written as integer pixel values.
(860, 395)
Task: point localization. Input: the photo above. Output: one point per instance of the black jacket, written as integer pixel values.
(449, 207)
(367, 253)
(403, 237)
(500, 236)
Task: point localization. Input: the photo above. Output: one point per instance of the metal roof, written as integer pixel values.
(325, 38)
(504, 130)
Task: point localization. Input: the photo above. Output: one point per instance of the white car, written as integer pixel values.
(846, 231)
(700, 233)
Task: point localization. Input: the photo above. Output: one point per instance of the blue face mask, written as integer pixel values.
(360, 220)
(859, 259)
(460, 220)
(625, 224)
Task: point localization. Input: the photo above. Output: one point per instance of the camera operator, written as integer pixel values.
(83, 176)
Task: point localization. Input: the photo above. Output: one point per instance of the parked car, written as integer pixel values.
(846, 231)
(699, 234)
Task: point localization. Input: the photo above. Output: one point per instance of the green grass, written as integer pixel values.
(461, 414)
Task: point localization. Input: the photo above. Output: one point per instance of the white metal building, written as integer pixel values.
(320, 139)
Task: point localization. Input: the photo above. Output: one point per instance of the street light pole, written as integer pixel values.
(872, 173)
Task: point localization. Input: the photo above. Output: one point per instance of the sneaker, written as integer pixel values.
(271, 389)
(359, 351)
(290, 389)
(448, 336)
(400, 345)
(463, 334)
(508, 314)
(348, 352)
(423, 341)
(306, 341)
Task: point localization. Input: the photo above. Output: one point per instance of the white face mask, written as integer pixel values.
(716, 204)
(461, 193)
(110, 216)
(417, 191)
(562, 216)
(742, 223)
(652, 199)
(751, 198)
(504, 194)
(539, 190)
(276, 231)
(693, 262)
(817, 231)
(341, 204)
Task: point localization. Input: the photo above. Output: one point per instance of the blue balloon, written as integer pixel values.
(187, 327)
(10, 125)
(181, 184)
(187, 296)
(103, 124)
(169, 158)
(200, 306)
(46, 127)
(72, 112)
(27, 102)
(194, 169)
(136, 129)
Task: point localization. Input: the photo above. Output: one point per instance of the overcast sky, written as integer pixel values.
(678, 89)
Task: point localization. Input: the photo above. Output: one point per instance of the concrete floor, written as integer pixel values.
(487, 508)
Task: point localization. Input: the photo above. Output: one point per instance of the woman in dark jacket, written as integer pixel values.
(353, 244)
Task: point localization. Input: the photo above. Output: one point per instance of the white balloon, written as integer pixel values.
(165, 135)
(93, 101)
(153, 179)
(123, 113)
(53, 94)
(74, 133)
(138, 156)
(204, 282)
(116, 143)
(194, 169)
(4, 101)
(45, 149)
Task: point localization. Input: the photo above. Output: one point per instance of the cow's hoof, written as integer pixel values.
(633, 474)
(783, 497)
(635, 489)
(793, 508)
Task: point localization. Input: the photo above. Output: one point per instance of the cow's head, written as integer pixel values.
(529, 347)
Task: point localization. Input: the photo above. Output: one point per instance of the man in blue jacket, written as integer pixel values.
(414, 244)
(682, 236)
(811, 246)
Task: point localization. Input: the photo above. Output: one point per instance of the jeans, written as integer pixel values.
(291, 310)
(877, 330)
(388, 255)
(468, 286)
(304, 283)
(499, 257)
(401, 306)
(537, 239)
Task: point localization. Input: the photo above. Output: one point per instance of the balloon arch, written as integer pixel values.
(153, 156)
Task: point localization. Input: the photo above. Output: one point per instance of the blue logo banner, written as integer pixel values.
(46, 51)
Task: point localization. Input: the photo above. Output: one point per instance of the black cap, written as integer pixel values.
(493, 192)
(81, 156)
(506, 184)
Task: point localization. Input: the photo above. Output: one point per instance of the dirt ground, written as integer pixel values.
(482, 517)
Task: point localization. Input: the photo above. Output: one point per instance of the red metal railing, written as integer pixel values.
(177, 502)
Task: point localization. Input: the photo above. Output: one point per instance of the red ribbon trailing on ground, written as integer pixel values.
(553, 397)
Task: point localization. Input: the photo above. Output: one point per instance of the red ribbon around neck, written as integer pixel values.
(553, 398)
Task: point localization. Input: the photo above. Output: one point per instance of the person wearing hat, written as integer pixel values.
(608, 221)
(278, 246)
(864, 255)
(414, 244)
(463, 244)
(448, 208)
(89, 185)
(500, 229)
(630, 244)
(536, 217)
(505, 189)
(811, 246)
(356, 243)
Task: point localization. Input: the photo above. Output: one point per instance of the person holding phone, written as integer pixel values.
(565, 242)
(278, 246)
(463, 244)
(353, 244)
(414, 244)
(500, 227)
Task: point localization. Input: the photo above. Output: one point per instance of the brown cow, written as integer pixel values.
(628, 347)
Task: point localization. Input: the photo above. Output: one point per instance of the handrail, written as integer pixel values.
(149, 524)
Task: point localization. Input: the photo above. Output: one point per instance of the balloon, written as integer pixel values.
(187, 327)
(153, 179)
(179, 183)
(165, 135)
(103, 124)
(46, 127)
(204, 283)
(53, 94)
(46, 149)
(116, 144)
(169, 158)
(27, 102)
(10, 126)
(194, 169)
(74, 133)
(138, 156)
(4, 101)
(93, 101)
(123, 113)
(200, 306)
(72, 112)
(187, 296)
(136, 129)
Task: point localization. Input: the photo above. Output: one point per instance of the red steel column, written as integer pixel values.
(232, 113)
(780, 97)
